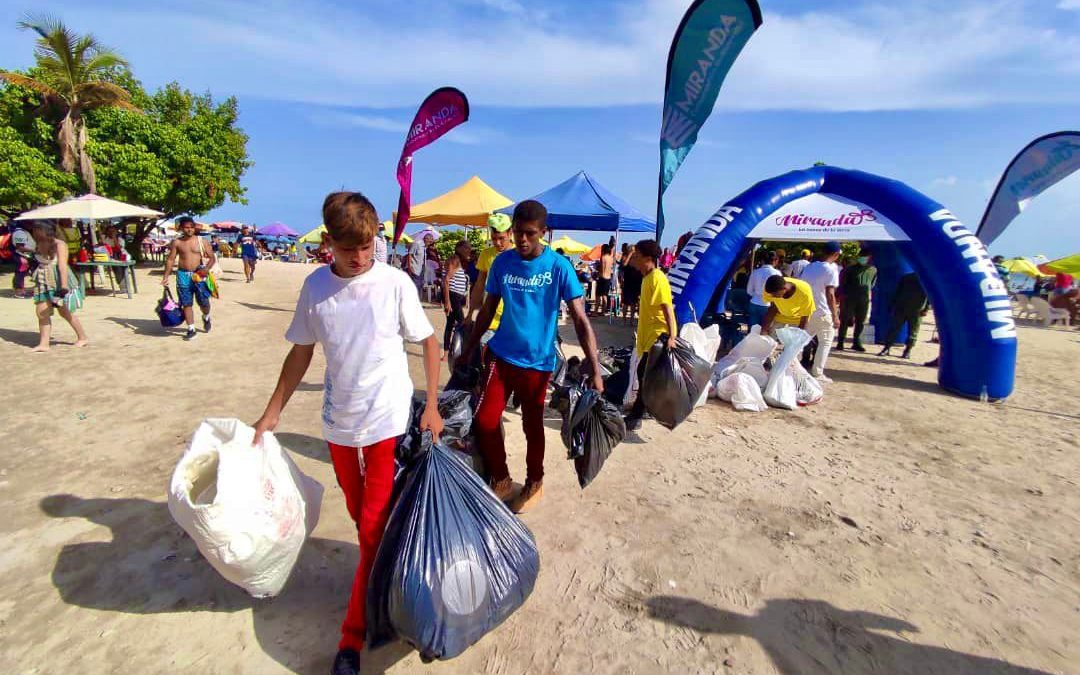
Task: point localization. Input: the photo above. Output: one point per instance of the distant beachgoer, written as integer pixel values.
(603, 282)
(55, 286)
(215, 243)
(667, 259)
(824, 277)
(631, 285)
(682, 241)
(361, 312)
(499, 232)
(380, 247)
(856, 282)
(23, 245)
(417, 266)
(755, 287)
(657, 317)
(249, 252)
(796, 267)
(192, 259)
(791, 302)
(455, 291)
(909, 305)
(1003, 272)
(531, 281)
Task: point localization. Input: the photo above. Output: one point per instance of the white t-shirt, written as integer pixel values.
(417, 258)
(797, 268)
(361, 324)
(820, 275)
(755, 285)
(380, 248)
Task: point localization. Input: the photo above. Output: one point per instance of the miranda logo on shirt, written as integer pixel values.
(527, 284)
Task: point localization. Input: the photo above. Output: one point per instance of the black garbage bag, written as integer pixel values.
(457, 342)
(615, 387)
(453, 564)
(591, 429)
(456, 409)
(673, 382)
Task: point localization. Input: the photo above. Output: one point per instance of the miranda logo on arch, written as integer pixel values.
(821, 216)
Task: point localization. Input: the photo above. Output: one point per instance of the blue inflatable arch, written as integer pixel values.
(971, 304)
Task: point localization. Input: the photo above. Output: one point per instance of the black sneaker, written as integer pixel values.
(347, 662)
(190, 334)
(206, 325)
(858, 347)
(632, 423)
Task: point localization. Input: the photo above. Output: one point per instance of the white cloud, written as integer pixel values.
(1069, 4)
(337, 119)
(921, 54)
(945, 181)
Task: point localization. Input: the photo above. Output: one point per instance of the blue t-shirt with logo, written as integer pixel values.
(531, 291)
(247, 246)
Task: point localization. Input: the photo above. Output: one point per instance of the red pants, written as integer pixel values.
(367, 497)
(502, 380)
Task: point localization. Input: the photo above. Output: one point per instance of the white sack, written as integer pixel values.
(750, 366)
(781, 390)
(248, 509)
(697, 338)
(743, 392)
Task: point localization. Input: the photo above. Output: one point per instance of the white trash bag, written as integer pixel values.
(743, 392)
(781, 391)
(808, 390)
(249, 509)
(702, 341)
(750, 366)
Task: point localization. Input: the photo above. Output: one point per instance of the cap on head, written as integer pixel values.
(832, 247)
(806, 253)
(500, 222)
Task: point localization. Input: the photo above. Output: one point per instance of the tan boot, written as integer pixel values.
(529, 497)
(503, 489)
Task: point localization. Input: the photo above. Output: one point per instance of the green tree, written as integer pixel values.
(72, 78)
(28, 176)
(450, 238)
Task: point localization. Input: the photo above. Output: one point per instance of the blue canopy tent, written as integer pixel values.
(581, 204)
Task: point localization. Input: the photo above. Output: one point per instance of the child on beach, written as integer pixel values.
(531, 281)
(361, 311)
(55, 286)
(657, 316)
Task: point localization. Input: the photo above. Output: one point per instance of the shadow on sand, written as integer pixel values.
(803, 637)
(151, 566)
(302, 444)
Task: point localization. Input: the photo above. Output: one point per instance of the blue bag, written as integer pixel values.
(169, 313)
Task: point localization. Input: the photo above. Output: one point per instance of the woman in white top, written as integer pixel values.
(55, 285)
(455, 291)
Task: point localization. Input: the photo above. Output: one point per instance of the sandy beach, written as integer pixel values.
(893, 528)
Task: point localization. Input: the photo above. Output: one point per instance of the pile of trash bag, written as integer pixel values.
(743, 391)
(789, 384)
(456, 408)
(706, 342)
(249, 509)
(674, 381)
(454, 562)
(592, 427)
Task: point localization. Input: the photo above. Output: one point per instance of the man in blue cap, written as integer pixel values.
(823, 275)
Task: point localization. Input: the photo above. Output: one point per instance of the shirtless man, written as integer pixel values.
(192, 257)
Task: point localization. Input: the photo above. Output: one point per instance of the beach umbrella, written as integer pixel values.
(1070, 264)
(89, 207)
(315, 236)
(277, 230)
(593, 254)
(1022, 266)
(227, 226)
(570, 246)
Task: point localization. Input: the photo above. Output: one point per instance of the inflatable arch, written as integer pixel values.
(971, 304)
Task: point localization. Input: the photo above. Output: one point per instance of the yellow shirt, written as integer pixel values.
(483, 264)
(655, 292)
(791, 311)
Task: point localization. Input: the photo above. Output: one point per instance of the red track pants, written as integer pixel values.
(502, 380)
(367, 497)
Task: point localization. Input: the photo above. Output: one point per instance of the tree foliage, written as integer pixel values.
(449, 239)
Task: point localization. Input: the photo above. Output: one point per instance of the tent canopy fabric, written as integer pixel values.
(1022, 266)
(570, 246)
(315, 236)
(89, 207)
(581, 204)
(277, 230)
(468, 204)
(1070, 264)
(594, 253)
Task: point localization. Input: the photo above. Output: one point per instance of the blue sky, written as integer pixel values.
(940, 98)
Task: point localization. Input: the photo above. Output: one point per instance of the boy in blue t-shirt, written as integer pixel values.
(248, 253)
(531, 280)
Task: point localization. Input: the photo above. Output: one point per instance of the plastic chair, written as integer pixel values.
(1023, 309)
(1047, 314)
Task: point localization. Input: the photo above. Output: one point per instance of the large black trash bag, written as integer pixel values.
(591, 429)
(457, 342)
(453, 564)
(456, 409)
(673, 382)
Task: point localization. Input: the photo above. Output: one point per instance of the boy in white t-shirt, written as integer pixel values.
(360, 311)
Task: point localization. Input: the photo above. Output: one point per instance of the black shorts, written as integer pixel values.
(603, 287)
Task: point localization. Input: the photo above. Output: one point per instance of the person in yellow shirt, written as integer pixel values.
(499, 228)
(656, 316)
(791, 302)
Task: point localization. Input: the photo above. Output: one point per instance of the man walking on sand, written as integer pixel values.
(531, 281)
(192, 258)
(417, 261)
(249, 252)
(501, 240)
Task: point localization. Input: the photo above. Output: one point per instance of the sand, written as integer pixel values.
(891, 529)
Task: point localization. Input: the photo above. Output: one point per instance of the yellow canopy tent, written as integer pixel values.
(468, 204)
(570, 246)
(315, 236)
(388, 232)
(1069, 264)
(1022, 266)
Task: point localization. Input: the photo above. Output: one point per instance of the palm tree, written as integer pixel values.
(71, 68)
